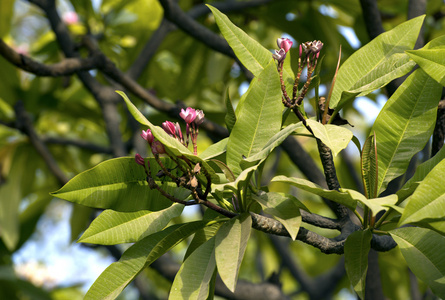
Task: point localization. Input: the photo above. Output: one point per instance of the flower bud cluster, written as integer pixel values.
(308, 57)
(188, 175)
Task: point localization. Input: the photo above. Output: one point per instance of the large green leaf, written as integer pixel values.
(193, 278)
(231, 242)
(431, 59)
(120, 184)
(369, 167)
(230, 118)
(405, 124)
(258, 120)
(357, 247)
(424, 252)
(119, 274)
(421, 172)
(335, 137)
(428, 201)
(336, 196)
(112, 227)
(376, 64)
(251, 54)
(285, 208)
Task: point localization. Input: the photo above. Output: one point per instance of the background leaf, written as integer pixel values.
(357, 247)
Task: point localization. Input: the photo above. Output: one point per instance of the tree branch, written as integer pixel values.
(66, 67)
(24, 124)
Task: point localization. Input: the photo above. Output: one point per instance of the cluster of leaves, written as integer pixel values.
(140, 215)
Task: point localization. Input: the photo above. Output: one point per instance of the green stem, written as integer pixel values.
(380, 221)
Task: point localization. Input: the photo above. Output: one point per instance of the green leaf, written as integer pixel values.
(376, 204)
(424, 252)
(230, 118)
(405, 124)
(431, 59)
(227, 172)
(258, 120)
(112, 227)
(251, 54)
(421, 172)
(204, 234)
(118, 275)
(285, 208)
(231, 242)
(428, 201)
(369, 167)
(215, 149)
(193, 278)
(376, 64)
(336, 196)
(335, 137)
(274, 142)
(120, 184)
(357, 247)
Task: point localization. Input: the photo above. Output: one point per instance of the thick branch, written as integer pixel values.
(67, 66)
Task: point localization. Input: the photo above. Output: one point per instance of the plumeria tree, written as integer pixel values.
(226, 178)
(247, 204)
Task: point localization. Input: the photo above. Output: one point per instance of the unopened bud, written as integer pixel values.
(169, 127)
(199, 117)
(139, 159)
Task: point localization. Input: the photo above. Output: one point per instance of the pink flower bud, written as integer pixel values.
(148, 136)
(188, 115)
(139, 159)
(199, 117)
(178, 131)
(157, 147)
(169, 127)
(284, 44)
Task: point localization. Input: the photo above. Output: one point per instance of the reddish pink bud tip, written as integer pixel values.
(139, 159)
